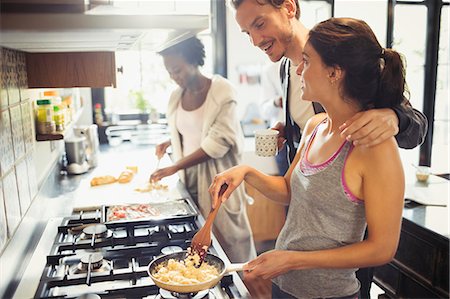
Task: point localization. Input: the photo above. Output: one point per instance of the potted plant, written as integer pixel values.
(142, 105)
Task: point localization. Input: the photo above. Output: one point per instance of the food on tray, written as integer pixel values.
(129, 212)
(103, 180)
(150, 186)
(125, 176)
(132, 168)
(185, 272)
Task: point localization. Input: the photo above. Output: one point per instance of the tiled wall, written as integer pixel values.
(18, 181)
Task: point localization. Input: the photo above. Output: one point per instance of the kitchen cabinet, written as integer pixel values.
(266, 217)
(71, 69)
(420, 268)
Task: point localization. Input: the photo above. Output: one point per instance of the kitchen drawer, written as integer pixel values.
(388, 277)
(411, 288)
(417, 254)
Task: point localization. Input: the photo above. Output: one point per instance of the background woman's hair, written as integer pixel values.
(274, 3)
(375, 77)
(191, 49)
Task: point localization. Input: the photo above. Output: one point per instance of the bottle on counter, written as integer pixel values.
(58, 116)
(98, 114)
(45, 119)
(58, 111)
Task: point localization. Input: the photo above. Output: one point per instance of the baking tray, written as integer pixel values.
(178, 208)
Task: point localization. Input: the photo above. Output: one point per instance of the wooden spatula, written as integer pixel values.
(202, 239)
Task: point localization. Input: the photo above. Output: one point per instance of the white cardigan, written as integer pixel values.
(223, 141)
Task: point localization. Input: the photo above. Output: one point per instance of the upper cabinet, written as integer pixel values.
(71, 43)
(71, 69)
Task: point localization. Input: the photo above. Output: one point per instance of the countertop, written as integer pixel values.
(426, 204)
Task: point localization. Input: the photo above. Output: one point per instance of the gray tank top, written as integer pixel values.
(322, 215)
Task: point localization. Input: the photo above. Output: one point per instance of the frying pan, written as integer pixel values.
(211, 259)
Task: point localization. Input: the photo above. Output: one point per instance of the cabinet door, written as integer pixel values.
(71, 69)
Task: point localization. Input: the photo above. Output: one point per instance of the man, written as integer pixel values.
(275, 28)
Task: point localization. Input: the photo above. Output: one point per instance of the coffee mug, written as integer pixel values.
(266, 142)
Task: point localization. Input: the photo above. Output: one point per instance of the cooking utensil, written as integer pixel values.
(211, 259)
(202, 239)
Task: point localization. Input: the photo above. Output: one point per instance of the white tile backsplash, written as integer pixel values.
(17, 131)
(6, 145)
(18, 179)
(11, 198)
(3, 226)
(32, 177)
(23, 186)
(27, 123)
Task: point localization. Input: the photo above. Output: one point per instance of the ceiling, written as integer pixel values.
(102, 28)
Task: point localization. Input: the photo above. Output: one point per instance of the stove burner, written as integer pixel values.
(95, 259)
(164, 294)
(171, 249)
(98, 264)
(97, 230)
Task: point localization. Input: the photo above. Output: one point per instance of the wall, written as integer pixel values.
(18, 179)
(24, 163)
(242, 54)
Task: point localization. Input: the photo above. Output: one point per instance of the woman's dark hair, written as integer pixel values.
(375, 77)
(274, 3)
(191, 49)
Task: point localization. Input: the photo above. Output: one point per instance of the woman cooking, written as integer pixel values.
(333, 188)
(206, 138)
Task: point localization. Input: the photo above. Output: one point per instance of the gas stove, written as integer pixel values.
(91, 258)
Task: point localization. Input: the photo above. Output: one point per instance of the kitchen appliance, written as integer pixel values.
(92, 143)
(76, 154)
(91, 257)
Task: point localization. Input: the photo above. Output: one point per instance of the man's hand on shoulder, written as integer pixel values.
(371, 127)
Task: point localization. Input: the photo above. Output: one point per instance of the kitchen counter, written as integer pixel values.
(23, 259)
(420, 268)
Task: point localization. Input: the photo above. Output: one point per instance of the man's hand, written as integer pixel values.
(281, 137)
(371, 127)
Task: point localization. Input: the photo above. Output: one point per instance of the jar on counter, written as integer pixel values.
(45, 121)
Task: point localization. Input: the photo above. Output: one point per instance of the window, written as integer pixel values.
(144, 71)
(374, 13)
(313, 12)
(415, 16)
(407, 19)
(440, 150)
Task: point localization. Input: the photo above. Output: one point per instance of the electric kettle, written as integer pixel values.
(92, 144)
(76, 154)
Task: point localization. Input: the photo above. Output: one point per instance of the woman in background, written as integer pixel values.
(333, 188)
(206, 138)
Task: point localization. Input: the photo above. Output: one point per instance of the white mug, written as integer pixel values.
(266, 144)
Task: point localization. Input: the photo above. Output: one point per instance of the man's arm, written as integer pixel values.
(413, 126)
(371, 127)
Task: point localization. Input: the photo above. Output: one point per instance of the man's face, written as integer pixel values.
(268, 27)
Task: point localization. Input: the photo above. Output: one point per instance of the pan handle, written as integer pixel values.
(235, 267)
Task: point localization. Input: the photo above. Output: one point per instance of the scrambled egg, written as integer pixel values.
(184, 272)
